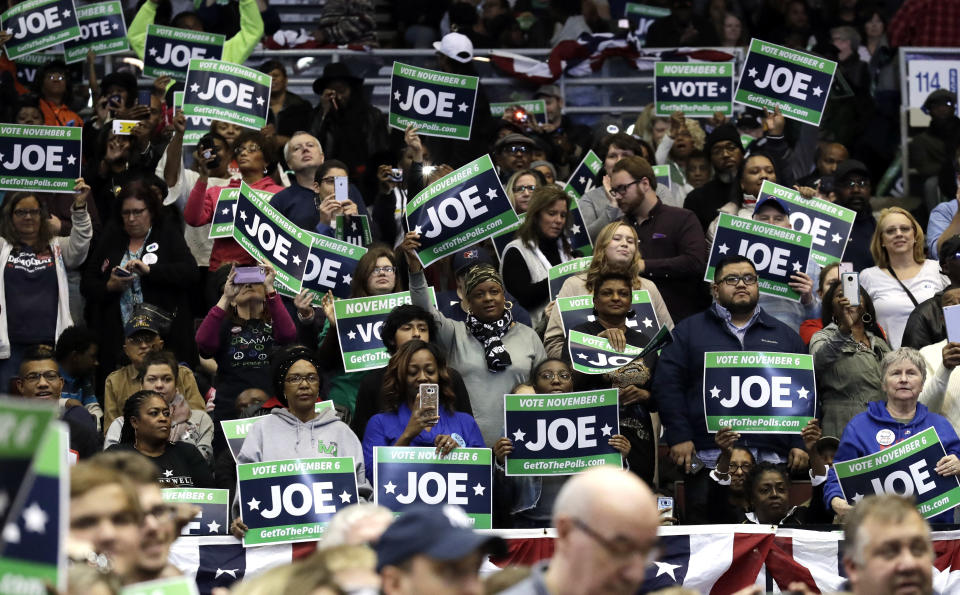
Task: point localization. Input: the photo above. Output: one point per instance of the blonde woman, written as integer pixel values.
(520, 188)
(902, 277)
(615, 250)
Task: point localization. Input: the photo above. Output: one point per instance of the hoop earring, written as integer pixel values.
(865, 318)
(508, 305)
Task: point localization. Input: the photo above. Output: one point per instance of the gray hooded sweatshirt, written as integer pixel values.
(281, 436)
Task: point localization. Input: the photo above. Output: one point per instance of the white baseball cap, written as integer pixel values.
(455, 46)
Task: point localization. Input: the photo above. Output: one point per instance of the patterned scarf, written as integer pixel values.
(490, 335)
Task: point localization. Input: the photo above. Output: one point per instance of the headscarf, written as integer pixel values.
(490, 334)
(283, 361)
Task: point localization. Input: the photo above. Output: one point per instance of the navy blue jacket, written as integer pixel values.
(860, 439)
(678, 380)
(297, 204)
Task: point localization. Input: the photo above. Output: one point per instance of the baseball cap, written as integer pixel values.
(848, 167)
(773, 201)
(438, 532)
(455, 46)
(549, 91)
(828, 442)
(139, 323)
(469, 257)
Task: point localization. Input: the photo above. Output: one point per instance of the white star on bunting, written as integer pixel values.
(213, 526)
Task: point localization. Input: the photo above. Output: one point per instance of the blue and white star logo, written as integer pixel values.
(254, 504)
(518, 435)
(35, 519)
(478, 489)
(345, 497)
(723, 248)
(213, 526)
(390, 487)
(714, 392)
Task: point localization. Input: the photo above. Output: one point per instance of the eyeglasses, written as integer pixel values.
(619, 190)
(619, 547)
(855, 183)
(549, 375)
(142, 339)
(745, 467)
(132, 213)
(24, 213)
(298, 378)
(528, 188)
(516, 149)
(734, 280)
(251, 148)
(377, 270)
(892, 231)
(49, 376)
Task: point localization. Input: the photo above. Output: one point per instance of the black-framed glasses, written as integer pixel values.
(130, 213)
(619, 547)
(49, 376)
(298, 378)
(549, 375)
(734, 280)
(528, 188)
(745, 467)
(619, 190)
(389, 269)
(24, 213)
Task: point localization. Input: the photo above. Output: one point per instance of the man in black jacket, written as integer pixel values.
(926, 325)
(725, 150)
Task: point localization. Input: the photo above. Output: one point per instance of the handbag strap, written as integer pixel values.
(909, 294)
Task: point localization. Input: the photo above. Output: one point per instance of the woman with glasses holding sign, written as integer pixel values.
(491, 351)
(530, 498)
(884, 424)
(407, 422)
(520, 188)
(34, 296)
(541, 243)
(615, 251)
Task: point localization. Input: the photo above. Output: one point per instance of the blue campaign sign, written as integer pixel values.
(214, 505)
(694, 88)
(590, 354)
(267, 235)
(459, 210)
(577, 310)
(501, 240)
(168, 50)
(906, 468)
(406, 475)
(559, 273)
(561, 434)
(330, 267)
(776, 252)
(227, 92)
(39, 158)
(288, 501)
(353, 229)
(583, 179)
(38, 24)
(754, 392)
(437, 103)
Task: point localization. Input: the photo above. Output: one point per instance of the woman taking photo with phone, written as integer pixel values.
(419, 401)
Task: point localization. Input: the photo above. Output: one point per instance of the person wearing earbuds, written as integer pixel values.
(404, 420)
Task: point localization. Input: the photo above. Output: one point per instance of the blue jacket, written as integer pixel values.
(678, 379)
(384, 429)
(860, 439)
(297, 204)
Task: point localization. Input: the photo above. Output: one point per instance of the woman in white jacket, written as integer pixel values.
(34, 302)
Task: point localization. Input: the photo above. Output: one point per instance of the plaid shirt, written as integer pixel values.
(931, 23)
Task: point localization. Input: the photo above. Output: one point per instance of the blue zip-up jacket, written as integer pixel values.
(860, 439)
(678, 379)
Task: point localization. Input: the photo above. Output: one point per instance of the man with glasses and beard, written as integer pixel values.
(854, 190)
(725, 150)
(734, 322)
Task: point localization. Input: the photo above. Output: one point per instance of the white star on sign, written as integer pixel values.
(491, 193)
(194, 88)
(518, 435)
(817, 91)
(796, 265)
(35, 519)
(243, 215)
(153, 51)
(478, 489)
(11, 533)
(9, 31)
(714, 392)
(664, 88)
(396, 95)
(71, 159)
(259, 100)
(605, 430)
(66, 14)
(168, 473)
(417, 230)
(344, 497)
(347, 279)
(115, 26)
(390, 487)
(752, 73)
(296, 260)
(575, 229)
(213, 526)
(463, 107)
(352, 335)
(723, 248)
(666, 568)
(225, 211)
(803, 392)
(857, 497)
(723, 89)
(1, 156)
(647, 322)
(582, 355)
(835, 238)
(254, 504)
(583, 180)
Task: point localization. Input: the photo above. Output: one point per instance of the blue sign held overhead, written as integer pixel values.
(40, 158)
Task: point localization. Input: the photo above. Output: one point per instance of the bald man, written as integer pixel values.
(606, 521)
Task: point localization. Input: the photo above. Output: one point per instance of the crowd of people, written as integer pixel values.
(116, 304)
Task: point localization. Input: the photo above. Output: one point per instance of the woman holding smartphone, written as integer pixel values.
(419, 400)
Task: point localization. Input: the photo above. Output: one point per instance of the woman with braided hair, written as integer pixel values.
(492, 352)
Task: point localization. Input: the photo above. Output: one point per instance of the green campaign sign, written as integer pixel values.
(577, 310)
(227, 92)
(353, 229)
(776, 252)
(102, 29)
(828, 224)
(590, 354)
(40, 158)
(582, 179)
(37, 25)
(757, 392)
(796, 82)
(905, 468)
(214, 515)
(437, 103)
(534, 107)
(561, 434)
(359, 321)
(294, 500)
(168, 50)
(180, 585)
(222, 224)
(559, 273)
(697, 89)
